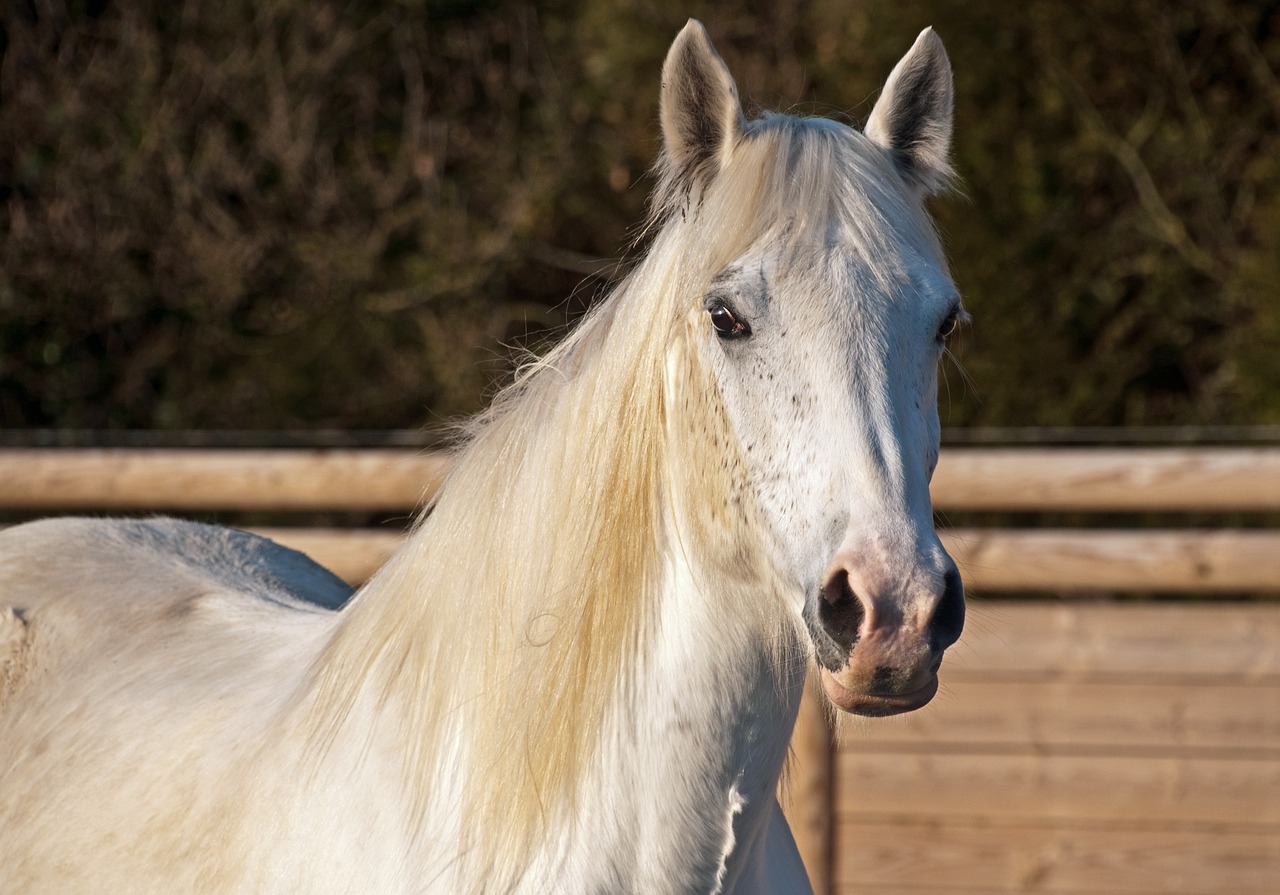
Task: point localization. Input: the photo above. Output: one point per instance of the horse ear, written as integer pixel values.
(701, 113)
(912, 118)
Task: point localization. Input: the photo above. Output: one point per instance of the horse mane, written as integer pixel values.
(517, 615)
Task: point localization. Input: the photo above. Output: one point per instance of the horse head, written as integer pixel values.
(824, 307)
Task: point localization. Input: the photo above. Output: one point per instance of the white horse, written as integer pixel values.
(581, 671)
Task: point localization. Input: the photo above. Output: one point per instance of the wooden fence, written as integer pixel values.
(1078, 745)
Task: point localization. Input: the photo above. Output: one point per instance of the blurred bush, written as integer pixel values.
(269, 213)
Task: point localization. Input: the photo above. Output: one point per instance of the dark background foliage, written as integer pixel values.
(281, 214)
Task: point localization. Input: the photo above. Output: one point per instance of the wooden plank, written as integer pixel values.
(1003, 638)
(945, 859)
(1108, 479)
(993, 561)
(1036, 479)
(1056, 715)
(1203, 561)
(1031, 787)
(126, 478)
(1101, 640)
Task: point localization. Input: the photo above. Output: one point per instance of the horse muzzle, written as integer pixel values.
(880, 646)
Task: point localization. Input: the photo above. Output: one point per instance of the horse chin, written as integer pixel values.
(877, 705)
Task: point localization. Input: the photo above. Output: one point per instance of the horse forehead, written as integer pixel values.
(901, 284)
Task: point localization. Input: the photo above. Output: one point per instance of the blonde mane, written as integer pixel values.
(521, 607)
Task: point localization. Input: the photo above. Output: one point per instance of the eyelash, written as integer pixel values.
(950, 324)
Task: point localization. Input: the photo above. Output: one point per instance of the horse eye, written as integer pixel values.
(728, 326)
(949, 326)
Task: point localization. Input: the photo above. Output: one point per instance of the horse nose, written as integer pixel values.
(947, 620)
(851, 605)
(842, 611)
(880, 628)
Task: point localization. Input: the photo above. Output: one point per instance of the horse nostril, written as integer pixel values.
(840, 610)
(948, 616)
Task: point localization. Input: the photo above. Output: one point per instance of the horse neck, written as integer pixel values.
(708, 730)
(678, 765)
(542, 636)
(726, 660)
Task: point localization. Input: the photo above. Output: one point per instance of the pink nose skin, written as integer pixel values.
(880, 638)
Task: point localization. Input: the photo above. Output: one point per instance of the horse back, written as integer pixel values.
(74, 582)
(145, 663)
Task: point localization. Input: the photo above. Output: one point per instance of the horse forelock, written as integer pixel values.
(803, 185)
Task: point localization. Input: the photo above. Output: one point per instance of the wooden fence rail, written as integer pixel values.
(992, 559)
(1108, 479)
(1028, 479)
(1205, 562)
(1076, 748)
(203, 479)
